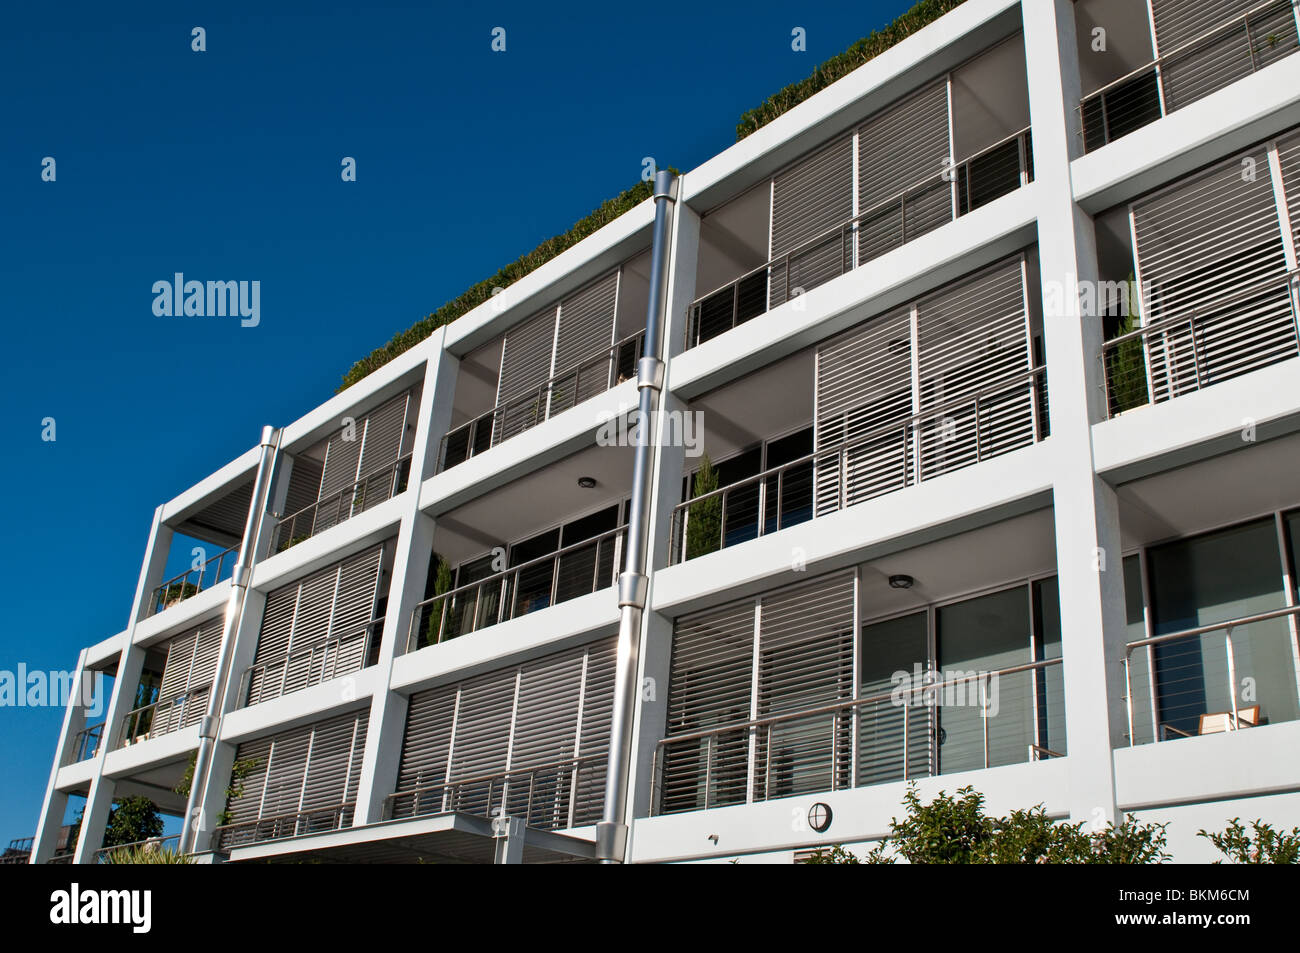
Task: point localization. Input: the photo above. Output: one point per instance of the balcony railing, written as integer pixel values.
(974, 721)
(1217, 340)
(552, 796)
(381, 484)
(1186, 683)
(193, 581)
(575, 570)
(994, 420)
(297, 824)
(1220, 56)
(85, 745)
(164, 717)
(920, 208)
(341, 654)
(525, 411)
(19, 851)
(106, 855)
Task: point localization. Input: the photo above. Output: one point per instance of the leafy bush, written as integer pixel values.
(955, 830)
(132, 819)
(146, 854)
(1266, 847)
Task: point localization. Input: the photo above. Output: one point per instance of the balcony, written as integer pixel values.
(377, 486)
(85, 744)
(941, 152)
(889, 671)
(296, 824)
(1129, 89)
(339, 654)
(204, 575)
(162, 718)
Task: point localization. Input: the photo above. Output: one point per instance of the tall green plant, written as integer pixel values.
(441, 584)
(704, 519)
(1126, 362)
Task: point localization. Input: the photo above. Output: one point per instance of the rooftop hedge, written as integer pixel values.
(828, 72)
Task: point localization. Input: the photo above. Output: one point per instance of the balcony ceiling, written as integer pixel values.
(222, 522)
(765, 404)
(538, 501)
(1128, 40)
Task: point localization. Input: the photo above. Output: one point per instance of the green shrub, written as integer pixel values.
(146, 854)
(704, 519)
(1266, 847)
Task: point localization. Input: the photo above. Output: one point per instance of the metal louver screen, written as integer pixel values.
(532, 737)
(1232, 54)
(525, 366)
(376, 442)
(582, 343)
(302, 781)
(1212, 266)
(1288, 151)
(316, 628)
(805, 659)
(899, 149)
(864, 388)
(969, 337)
(809, 199)
(385, 428)
(187, 677)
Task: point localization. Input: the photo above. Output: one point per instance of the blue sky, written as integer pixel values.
(225, 165)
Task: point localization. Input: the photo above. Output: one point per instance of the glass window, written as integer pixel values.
(895, 654)
(1216, 577)
(1049, 682)
(978, 636)
(1139, 660)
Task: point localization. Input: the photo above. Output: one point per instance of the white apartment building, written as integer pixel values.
(895, 320)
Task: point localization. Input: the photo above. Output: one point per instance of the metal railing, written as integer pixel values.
(571, 571)
(888, 457)
(169, 843)
(297, 824)
(888, 736)
(380, 484)
(338, 654)
(85, 744)
(919, 208)
(1183, 686)
(1178, 353)
(1194, 69)
(558, 393)
(19, 851)
(193, 581)
(554, 796)
(163, 717)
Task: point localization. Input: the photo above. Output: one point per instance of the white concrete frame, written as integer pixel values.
(1075, 471)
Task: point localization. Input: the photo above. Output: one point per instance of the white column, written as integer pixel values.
(1088, 550)
(56, 801)
(414, 548)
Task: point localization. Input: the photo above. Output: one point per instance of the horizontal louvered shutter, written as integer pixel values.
(582, 343)
(187, 677)
(864, 388)
(972, 339)
(1288, 151)
(806, 643)
(810, 199)
(526, 356)
(333, 605)
(301, 781)
(380, 449)
(512, 735)
(905, 147)
(710, 686)
(1232, 54)
(1211, 248)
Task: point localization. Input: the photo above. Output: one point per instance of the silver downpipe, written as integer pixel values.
(239, 579)
(611, 832)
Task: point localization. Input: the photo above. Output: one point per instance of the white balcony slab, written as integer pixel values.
(75, 777)
(184, 615)
(336, 543)
(547, 630)
(106, 652)
(307, 705)
(141, 755)
(859, 814)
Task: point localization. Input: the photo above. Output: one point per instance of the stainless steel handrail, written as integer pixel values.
(540, 394)
(500, 577)
(82, 740)
(333, 641)
(947, 176)
(400, 471)
(834, 708)
(131, 731)
(847, 446)
(1227, 628)
(337, 814)
(160, 599)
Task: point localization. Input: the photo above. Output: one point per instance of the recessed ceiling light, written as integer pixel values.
(587, 483)
(901, 581)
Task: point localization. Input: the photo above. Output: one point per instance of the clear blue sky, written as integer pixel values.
(225, 165)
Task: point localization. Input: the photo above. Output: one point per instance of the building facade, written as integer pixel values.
(993, 350)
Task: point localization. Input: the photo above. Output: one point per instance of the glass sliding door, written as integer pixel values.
(894, 657)
(1216, 577)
